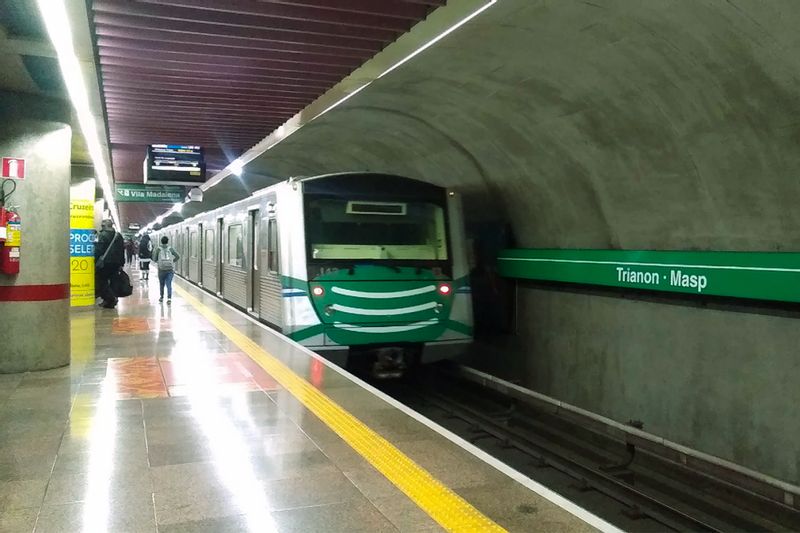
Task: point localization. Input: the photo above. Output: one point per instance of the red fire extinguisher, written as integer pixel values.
(9, 251)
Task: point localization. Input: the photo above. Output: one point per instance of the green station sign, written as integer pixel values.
(139, 192)
(758, 275)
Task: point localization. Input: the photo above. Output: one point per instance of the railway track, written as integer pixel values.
(629, 487)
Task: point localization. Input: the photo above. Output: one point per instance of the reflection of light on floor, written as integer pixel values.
(80, 416)
(317, 373)
(194, 367)
(102, 438)
(241, 410)
(82, 332)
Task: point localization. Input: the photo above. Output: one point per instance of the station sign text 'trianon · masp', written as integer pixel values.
(756, 275)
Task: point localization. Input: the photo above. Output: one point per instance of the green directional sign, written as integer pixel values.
(138, 192)
(759, 275)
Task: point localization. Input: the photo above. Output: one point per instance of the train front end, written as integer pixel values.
(387, 275)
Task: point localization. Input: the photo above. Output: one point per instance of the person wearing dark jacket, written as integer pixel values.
(129, 248)
(145, 254)
(109, 256)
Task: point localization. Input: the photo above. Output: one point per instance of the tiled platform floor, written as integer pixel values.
(162, 424)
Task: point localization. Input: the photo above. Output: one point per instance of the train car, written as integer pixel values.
(360, 267)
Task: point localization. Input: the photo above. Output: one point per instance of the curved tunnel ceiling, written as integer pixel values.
(607, 124)
(225, 73)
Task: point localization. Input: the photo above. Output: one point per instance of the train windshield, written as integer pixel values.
(353, 229)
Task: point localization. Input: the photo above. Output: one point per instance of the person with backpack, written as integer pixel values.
(165, 257)
(109, 255)
(145, 254)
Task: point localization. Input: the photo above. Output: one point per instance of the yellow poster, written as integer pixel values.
(81, 244)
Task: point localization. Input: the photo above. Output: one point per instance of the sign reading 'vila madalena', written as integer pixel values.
(137, 192)
(759, 275)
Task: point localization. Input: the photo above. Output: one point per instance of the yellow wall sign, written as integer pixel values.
(81, 244)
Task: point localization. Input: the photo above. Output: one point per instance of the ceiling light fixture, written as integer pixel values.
(56, 20)
(237, 167)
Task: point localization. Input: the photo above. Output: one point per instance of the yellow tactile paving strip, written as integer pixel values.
(442, 504)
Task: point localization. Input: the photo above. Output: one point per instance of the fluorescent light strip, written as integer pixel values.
(438, 38)
(230, 169)
(338, 103)
(56, 20)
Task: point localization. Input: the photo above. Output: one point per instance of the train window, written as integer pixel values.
(235, 245)
(272, 246)
(209, 245)
(340, 229)
(193, 242)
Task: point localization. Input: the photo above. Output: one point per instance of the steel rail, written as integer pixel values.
(668, 496)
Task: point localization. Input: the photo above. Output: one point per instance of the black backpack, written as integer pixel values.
(121, 284)
(144, 248)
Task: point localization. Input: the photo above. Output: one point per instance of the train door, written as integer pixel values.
(254, 279)
(271, 288)
(220, 227)
(200, 253)
(185, 257)
(190, 251)
(175, 242)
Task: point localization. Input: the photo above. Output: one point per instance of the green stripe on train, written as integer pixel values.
(347, 336)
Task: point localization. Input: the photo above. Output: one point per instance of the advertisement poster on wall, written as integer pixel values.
(81, 244)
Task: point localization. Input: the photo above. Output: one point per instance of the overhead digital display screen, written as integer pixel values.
(173, 164)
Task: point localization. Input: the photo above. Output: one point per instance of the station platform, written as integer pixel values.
(193, 417)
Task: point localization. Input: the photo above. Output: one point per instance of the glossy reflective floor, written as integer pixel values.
(162, 424)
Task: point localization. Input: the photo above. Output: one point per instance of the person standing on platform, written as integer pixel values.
(128, 251)
(165, 257)
(109, 256)
(145, 254)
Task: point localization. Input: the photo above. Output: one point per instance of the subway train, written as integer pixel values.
(364, 268)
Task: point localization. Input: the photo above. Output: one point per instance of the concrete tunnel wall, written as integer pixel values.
(615, 124)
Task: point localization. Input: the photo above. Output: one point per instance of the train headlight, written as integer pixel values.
(317, 291)
(445, 289)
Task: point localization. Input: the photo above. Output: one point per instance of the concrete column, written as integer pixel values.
(34, 304)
